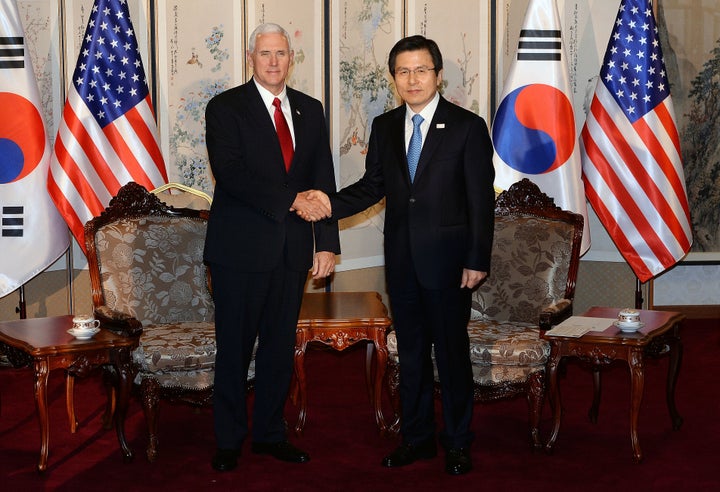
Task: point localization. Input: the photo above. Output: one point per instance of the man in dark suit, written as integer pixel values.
(438, 238)
(266, 143)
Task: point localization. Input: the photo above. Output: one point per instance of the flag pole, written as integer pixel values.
(69, 265)
(21, 306)
(638, 294)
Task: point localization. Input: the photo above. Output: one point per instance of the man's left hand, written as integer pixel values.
(472, 278)
(323, 264)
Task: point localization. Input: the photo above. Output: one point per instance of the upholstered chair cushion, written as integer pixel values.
(530, 262)
(151, 268)
(177, 354)
(149, 281)
(505, 352)
(499, 352)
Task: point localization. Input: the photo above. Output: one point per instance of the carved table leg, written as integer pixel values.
(380, 367)
(70, 401)
(300, 347)
(110, 382)
(597, 392)
(676, 350)
(637, 380)
(554, 394)
(42, 368)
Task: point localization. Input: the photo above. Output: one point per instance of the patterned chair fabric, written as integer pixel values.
(171, 299)
(151, 268)
(148, 280)
(536, 250)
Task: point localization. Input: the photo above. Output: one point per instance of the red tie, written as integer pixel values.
(283, 131)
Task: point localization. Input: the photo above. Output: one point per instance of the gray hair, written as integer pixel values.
(267, 28)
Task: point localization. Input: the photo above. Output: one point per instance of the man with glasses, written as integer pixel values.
(432, 160)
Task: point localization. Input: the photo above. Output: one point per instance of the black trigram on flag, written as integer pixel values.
(540, 45)
(12, 221)
(12, 52)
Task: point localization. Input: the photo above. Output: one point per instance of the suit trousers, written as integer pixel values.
(265, 305)
(427, 320)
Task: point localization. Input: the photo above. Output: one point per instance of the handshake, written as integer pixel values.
(312, 205)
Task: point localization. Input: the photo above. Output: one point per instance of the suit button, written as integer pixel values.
(412, 200)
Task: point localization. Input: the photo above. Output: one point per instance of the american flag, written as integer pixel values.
(108, 135)
(632, 166)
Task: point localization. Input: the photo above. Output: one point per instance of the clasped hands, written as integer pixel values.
(312, 205)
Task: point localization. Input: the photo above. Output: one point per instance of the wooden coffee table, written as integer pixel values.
(340, 320)
(660, 335)
(45, 344)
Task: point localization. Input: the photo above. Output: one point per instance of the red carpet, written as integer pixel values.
(346, 449)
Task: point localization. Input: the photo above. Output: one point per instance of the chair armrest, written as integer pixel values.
(555, 313)
(118, 321)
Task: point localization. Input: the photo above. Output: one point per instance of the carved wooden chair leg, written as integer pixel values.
(150, 394)
(535, 398)
(392, 381)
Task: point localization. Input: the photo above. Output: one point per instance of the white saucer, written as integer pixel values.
(83, 334)
(629, 327)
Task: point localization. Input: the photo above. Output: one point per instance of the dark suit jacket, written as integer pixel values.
(250, 226)
(443, 221)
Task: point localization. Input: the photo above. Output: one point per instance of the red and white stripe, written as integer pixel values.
(635, 182)
(89, 163)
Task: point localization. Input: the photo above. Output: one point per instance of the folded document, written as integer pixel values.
(577, 326)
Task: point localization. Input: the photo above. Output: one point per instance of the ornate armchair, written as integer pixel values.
(536, 252)
(148, 280)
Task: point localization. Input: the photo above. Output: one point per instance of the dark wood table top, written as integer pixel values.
(342, 308)
(656, 323)
(41, 337)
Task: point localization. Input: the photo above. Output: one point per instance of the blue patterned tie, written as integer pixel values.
(413, 153)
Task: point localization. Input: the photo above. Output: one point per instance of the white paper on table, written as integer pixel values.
(577, 326)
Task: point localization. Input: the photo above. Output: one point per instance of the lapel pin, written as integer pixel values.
(440, 125)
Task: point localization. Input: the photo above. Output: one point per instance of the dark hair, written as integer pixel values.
(415, 43)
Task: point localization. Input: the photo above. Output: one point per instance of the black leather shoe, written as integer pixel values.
(457, 461)
(283, 451)
(409, 453)
(225, 459)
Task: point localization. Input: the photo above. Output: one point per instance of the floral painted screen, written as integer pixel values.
(199, 54)
(362, 33)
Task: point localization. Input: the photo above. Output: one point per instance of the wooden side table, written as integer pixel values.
(45, 343)
(660, 335)
(340, 320)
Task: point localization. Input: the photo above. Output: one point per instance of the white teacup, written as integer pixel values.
(85, 322)
(629, 316)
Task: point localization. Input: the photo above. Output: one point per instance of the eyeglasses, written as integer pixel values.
(419, 71)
